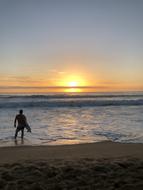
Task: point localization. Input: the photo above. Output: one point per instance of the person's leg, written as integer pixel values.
(16, 133)
(22, 133)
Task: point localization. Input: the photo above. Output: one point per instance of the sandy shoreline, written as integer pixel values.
(104, 165)
(98, 150)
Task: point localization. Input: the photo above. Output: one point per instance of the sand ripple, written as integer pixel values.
(84, 174)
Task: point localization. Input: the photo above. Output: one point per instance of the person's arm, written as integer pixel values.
(15, 121)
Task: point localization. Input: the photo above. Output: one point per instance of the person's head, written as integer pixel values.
(21, 111)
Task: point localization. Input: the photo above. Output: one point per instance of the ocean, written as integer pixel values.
(73, 118)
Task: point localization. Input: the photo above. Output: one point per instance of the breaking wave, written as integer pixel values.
(75, 96)
(70, 103)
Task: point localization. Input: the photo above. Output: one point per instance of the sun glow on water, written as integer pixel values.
(72, 89)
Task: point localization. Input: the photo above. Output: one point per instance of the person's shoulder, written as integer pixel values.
(23, 115)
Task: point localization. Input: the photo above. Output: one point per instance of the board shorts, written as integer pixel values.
(20, 127)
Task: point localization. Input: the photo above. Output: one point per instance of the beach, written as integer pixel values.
(71, 95)
(102, 165)
(78, 142)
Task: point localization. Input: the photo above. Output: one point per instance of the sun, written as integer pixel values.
(73, 84)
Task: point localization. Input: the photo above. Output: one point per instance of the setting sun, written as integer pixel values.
(73, 86)
(73, 83)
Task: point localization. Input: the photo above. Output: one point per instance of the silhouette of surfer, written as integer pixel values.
(20, 123)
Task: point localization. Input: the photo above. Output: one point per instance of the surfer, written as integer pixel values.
(20, 123)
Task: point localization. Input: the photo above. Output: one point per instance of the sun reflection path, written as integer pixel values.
(72, 89)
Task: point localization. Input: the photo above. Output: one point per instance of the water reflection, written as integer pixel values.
(72, 90)
(19, 142)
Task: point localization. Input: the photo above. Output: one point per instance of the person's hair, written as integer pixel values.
(20, 111)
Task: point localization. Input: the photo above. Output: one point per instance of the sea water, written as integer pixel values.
(73, 118)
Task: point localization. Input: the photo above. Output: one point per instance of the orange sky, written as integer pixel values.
(45, 46)
(94, 72)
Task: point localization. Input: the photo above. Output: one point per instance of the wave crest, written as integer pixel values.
(71, 103)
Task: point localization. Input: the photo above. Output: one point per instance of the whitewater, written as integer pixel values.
(72, 118)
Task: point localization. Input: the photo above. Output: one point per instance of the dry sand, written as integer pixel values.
(104, 165)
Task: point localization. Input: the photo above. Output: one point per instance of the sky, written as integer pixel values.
(71, 45)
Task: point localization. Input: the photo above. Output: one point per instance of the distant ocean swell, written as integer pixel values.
(65, 96)
(70, 103)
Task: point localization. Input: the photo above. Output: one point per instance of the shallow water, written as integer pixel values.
(70, 119)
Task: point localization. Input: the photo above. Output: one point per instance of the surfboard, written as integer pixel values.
(28, 128)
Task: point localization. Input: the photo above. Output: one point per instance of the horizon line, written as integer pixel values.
(49, 87)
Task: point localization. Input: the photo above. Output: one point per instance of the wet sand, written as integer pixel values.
(104, 165)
